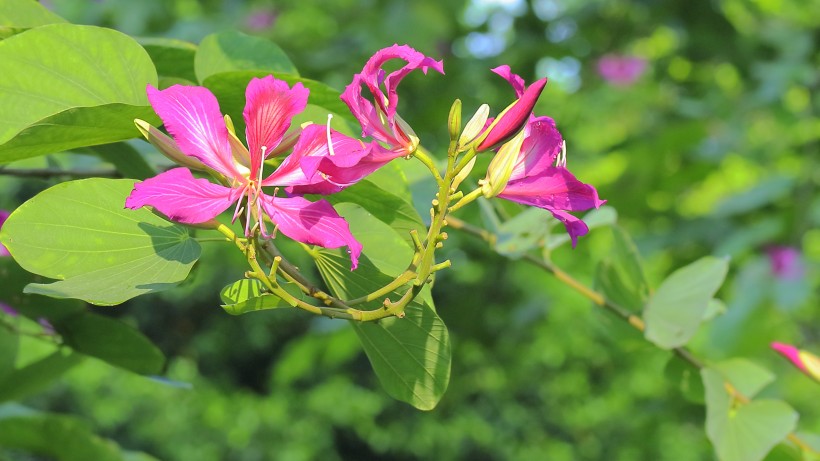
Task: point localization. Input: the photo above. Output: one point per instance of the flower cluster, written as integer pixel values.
(324, 161)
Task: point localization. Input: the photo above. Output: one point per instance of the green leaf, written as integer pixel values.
(74, 128)
(232, 50)
(172, 57)
(111, 341)
(36, 376)
(411, 355)
(61, 438)
(743, 432)
(80, 86)
(676, 309)
(384, 206)
(24, 14)
(80, 233)
(716, 307)
(746, 376)
(127, 160)
(247, 295)
(522, 233)
(229, 88)
(620, 276)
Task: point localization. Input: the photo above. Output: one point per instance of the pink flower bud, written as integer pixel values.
(805, 361)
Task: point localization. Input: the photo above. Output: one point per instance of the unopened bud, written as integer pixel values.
(501, 167)
(238, 150)
(454, 120)
(462, 175)
(167, 146)
(475, 125)
(807, 362)
(513, 118)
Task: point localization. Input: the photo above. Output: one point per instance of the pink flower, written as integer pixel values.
(516, 116)
(381, 121)
(785, 262)
(260, 19)
(621, 70)
(540, 178)
(805, 361)
(4, 215)
(192, 115)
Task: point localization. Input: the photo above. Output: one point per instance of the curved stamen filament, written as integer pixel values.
(329, 140)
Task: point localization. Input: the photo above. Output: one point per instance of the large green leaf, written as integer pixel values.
(388, 208)
(37, 376)
(127, 160)
(411, 355)
(231, 50)
(743, 432)
(111, 341)
(61, 438)
(23, 14)
(676, 309)
(746, 376)
(80, 233)
(172, 57)
(80, 86)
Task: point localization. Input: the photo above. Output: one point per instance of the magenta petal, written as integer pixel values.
(3, 216)
(314, 223)
(515, 118)
(191, 114)
(790, 352)
(183, 198)
(270, 106)
(374, 78)
(541, 145)
(515, 80)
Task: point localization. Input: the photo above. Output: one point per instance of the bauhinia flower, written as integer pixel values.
(381, 121)
(539, 177)
(192, 115)
(805, 361)
(785, 262)
(621, 70)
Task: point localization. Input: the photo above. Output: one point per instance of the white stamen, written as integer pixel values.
(561, 158)
(329, 141)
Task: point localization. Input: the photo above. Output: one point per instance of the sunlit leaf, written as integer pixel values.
(743, 432)
(676, 309)
(410, 355)
(23, 14)
(248, 295)
(172, 57)
(67, 86)
(80, 233)
(231, 50)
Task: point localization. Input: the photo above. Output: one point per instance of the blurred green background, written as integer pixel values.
(712, 148)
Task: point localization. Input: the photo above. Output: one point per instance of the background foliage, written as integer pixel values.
(712, 151)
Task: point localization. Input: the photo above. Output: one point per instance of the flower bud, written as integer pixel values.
(462, 175)
(238, 150)
(475, 125)
(167, 146)
(454, 120)
(502, 165)
(510, 122)
(807, 362)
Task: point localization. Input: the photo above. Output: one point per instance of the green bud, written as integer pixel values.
(462, 175)
(454, 120)
(167, 146)
(502, 165)
(474, 126)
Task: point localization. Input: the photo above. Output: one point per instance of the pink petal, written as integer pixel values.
(541, 145)
(373, 77)
(515, 118)
(515, 80)
(557, 191)
(3, 216)
(191, 114)
(270, 106)
(791, 353)
(314, 223)
(183, 198)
